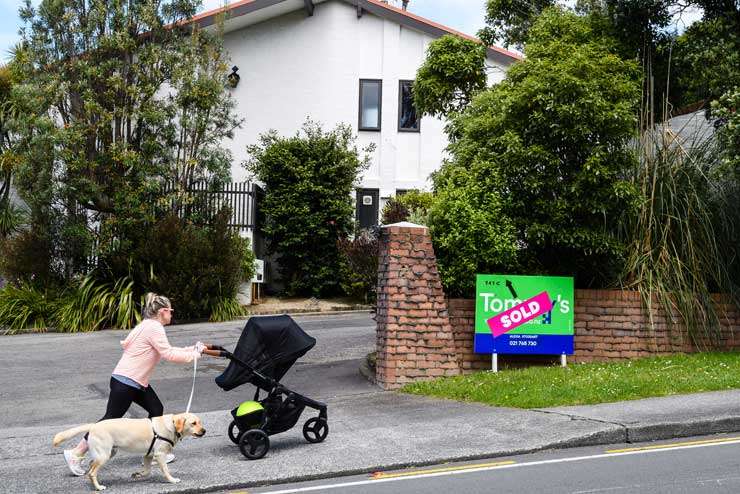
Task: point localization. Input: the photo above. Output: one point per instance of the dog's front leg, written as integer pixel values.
(146, 470)
(161, 459)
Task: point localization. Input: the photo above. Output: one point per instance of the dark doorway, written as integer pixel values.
(367, 207)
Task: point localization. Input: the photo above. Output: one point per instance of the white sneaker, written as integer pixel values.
(74, 462)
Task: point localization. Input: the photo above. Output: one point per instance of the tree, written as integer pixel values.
(708, 58)
(726, 110)
(119, 99)
(10, 215)
(540, 160)
(452, 73)
(308, 181)
(509, 21)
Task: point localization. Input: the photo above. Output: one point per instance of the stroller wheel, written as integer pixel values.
(315, 429)
(254, 444)
(234, 433)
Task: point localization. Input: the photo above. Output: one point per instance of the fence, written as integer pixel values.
(240, 197)
(200, 199)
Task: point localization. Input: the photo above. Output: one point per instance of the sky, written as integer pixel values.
(466, 16)
(462, 15)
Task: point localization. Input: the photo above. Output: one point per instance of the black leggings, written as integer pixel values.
(122, 395)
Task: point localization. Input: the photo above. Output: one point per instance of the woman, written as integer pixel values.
(143, 348)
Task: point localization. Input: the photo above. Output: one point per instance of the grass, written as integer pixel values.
(584, 384)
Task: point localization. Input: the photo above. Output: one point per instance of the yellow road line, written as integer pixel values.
(382, 475)
(673, 445)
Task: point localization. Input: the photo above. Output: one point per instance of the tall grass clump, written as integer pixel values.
(682, 241)
(24, 307)
(87, 305)
(226, 309)
(91, 305)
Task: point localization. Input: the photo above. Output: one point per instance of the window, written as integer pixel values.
(371, 95)
(407, 119)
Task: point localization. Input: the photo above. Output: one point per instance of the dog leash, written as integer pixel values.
(192, 390)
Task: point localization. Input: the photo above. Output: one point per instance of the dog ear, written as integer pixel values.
(179, 424)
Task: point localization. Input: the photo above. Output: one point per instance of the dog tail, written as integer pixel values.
(64, 435)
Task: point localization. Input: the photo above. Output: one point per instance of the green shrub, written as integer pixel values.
(394, 211)
(248, 258)
(195, 266)
(87, 305)
(91, 305)
(226, 309)
(726, 110)
(539, 160)
(418, 203)
(469, 231)
(308, 181)
(360, 266)
(24, 307)
(26, 256)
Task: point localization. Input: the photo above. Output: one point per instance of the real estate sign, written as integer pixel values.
(523, 314)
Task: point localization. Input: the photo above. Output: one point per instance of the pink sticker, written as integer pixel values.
(518, 315)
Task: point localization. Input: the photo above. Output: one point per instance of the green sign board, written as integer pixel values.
(524, 314)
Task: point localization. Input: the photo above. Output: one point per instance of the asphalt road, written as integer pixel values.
(691, 465)
(49, 379)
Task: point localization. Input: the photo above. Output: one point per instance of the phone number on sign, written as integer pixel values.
(522, 343)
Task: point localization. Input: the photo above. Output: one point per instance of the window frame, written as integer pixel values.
(400, 109)
(380, 106)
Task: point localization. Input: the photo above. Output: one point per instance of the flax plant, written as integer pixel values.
(682, 241)
(24, 307)
(226, 309)
(90, 306)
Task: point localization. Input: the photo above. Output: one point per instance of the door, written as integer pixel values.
(367, 207)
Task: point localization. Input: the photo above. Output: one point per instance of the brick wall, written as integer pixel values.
(414, 336)
(609, 325)
(418, 338)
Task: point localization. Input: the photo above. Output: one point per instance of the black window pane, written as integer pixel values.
(407, 119)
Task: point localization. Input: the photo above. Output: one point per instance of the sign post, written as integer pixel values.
(523, 315)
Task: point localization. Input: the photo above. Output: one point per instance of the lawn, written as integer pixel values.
(582, 384)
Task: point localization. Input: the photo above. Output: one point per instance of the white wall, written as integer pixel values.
(293, 67)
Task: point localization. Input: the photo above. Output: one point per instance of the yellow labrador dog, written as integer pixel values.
(153, 437)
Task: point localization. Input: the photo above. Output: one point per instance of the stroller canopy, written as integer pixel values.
(269, 345)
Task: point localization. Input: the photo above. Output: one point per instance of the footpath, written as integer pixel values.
(370, 431)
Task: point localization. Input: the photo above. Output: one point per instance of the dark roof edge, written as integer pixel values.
(236, 9)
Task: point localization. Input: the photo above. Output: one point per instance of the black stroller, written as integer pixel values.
(267, 348)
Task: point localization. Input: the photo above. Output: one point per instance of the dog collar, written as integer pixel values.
(162, 438)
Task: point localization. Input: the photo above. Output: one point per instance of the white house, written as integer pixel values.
(335, 61)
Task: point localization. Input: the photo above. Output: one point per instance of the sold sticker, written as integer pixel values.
(519, 314)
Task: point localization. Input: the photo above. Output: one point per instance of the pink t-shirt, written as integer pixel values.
(144, 347)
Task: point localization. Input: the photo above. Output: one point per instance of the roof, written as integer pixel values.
(691, 129)
(273, 8)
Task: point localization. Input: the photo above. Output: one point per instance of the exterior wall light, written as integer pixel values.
(233, 78)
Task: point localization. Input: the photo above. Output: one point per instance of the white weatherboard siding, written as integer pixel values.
(295, 67)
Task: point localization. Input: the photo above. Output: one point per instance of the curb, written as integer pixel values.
(652, 432)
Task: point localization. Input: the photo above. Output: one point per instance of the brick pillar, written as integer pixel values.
(414, 337)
